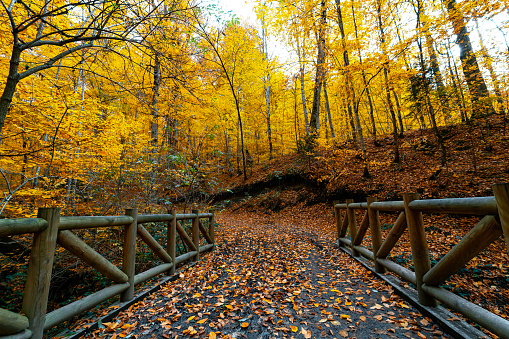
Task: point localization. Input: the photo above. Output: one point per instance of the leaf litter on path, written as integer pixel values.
(270, 278)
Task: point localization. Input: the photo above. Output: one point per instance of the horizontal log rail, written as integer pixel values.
(22, 226)
(427, 279)
(50, 229)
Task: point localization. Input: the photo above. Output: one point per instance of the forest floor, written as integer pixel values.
(272, 277)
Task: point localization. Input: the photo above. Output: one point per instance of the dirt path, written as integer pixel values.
(270, 279)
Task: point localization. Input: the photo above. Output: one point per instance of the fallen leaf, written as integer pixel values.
(306, 333)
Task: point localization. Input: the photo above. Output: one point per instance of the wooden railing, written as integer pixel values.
(427, 279)
(49, 229)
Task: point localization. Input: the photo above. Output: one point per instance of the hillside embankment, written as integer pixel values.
(476, 158)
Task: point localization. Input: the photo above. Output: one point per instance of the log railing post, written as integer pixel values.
(196, 235)
(171, 235)
(212, 226)
(501, 192)
(337, 215)
(420, 253)
(129, 255)
(376, 233)
(352, 224)
(344, 224)
(35, 295)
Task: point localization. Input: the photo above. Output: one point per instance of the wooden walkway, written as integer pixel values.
(268, 277)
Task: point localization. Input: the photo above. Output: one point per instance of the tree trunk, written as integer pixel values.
(457, 85)
(237, 151)
(368, 93)
(155, 99)
(387, 85)
(241, 138)
(475, 82)
(349, 86)
(400, 118)
(431, 110)
(303, 94)
(320, 61)
(325, 120)
(269, 130)
(327, 108)
(442, 91)
(409, 70)
(302, 87)
(350, 91)
(437, 75)
(493, 75)
(10, 85)
(267, 88)
(296, 116)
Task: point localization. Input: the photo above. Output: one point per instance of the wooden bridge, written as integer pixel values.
(427, 279)
(50, 229)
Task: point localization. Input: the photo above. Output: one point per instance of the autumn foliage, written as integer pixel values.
(109, 105)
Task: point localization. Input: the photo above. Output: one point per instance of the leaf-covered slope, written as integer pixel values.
(477, 158)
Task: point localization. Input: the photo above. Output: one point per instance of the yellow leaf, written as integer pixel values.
(244, 325)
(345, 316)
(201, 321)
(212, 335)
(294, 328)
